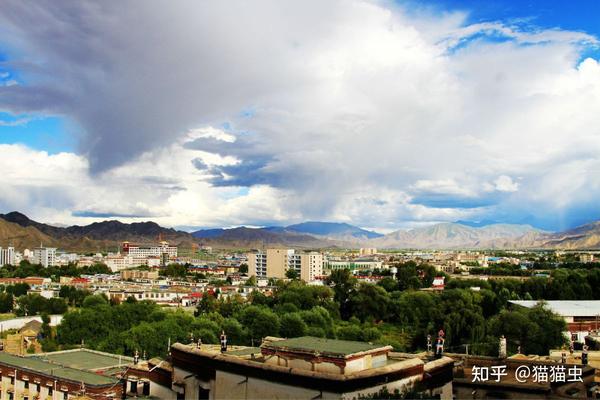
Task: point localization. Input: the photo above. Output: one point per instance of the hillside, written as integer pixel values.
(582, 237)
(244, 237)
(452, 235)
(22, 232)
(333, 230)
(98, 236)
(12, 234)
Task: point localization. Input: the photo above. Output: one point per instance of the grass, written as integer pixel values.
(5, 316)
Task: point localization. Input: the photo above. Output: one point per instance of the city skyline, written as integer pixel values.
(384, 115)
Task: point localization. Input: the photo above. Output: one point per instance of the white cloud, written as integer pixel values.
(360, 112)
(505, 183)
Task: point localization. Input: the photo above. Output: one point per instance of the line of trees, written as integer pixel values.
(392, 312)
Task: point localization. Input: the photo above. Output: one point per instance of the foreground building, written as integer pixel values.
(304, 368)
(521, 377)
(36, 378)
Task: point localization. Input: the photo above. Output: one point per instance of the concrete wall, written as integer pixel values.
(276, 263)
(18, 323)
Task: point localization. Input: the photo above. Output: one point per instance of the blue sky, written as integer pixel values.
(384, 115)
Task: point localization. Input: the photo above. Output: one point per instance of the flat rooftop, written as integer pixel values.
(566, 308)
(85, 359)
(55, 370)
(316, 345)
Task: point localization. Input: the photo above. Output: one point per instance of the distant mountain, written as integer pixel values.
(208, 233)
(452, 235)
(333, 230)
(244, 237)
(582, 237)
(306, 234)
(94, 237)
(18, 230)
(12, 234)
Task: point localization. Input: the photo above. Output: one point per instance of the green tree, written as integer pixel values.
(292, 274)
(292, 325)
(259, 321)
(343, 284)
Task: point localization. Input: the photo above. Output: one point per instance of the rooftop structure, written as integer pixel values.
(566, 308)
(30, 377)
(85, 359)
(304, 367)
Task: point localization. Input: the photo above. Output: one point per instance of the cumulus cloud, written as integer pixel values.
(202, 113)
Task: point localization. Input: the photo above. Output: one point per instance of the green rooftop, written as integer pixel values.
(319, 345)
(85, 359)
(55, 370)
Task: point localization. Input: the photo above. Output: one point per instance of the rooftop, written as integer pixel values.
(55, 370)
(566, 308)
(315, 345)
(85, 359)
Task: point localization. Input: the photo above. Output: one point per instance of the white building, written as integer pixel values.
(46, 256)
(367, 251)
(7, 256)
(156, 251)
(118, 262)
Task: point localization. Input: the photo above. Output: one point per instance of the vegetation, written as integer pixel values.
(392, 312)
(26, 269)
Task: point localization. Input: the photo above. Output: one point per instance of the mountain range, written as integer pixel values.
(18, 230)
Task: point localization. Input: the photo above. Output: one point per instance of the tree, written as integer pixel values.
(243, 268)
(292, 325)
(6, 302)
(369, 302)
(235, 332)
(343, 284)
(291, 274)
(536, 330)
(208, 303)
(259, 321)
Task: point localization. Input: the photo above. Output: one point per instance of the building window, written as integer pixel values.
(26, 384)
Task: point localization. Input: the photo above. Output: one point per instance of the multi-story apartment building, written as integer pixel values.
(257, 264)
(7, 256)
(153, 251)
(274, 263)
(367, 251)
(46, 256)
(311, 266)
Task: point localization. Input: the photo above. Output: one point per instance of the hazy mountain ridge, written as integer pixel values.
(453, 235)
(18, 230)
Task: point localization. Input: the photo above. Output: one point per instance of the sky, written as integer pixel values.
(386, 115)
